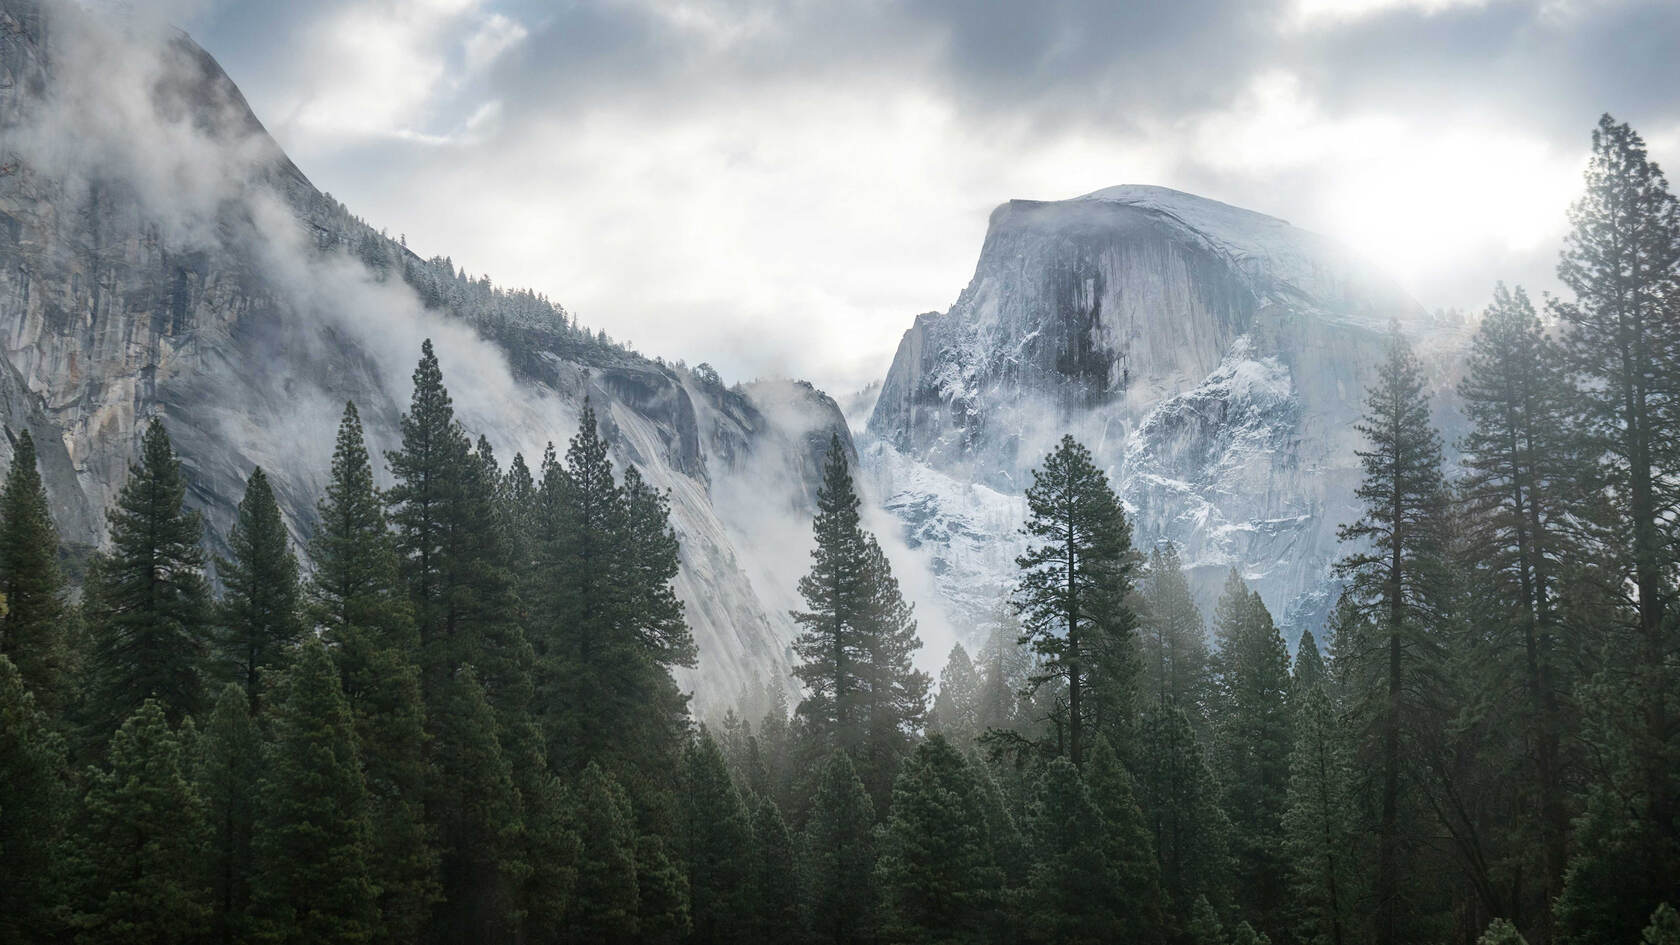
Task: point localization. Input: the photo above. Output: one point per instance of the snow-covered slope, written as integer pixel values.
(160, 256)
(1214, 359)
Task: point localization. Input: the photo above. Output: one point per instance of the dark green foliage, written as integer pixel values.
(839, 867)
(662, 894)
(856, 640)
(774, 878)
(607, 900)
(33, 808)
(551, 849)
(717, 845)
(1501, 932)
(1132, 864)
(1317, 829)
(32, 623)
(1622, 340)
(1072, 592)
(1664, 928)
(147, 600)
(606, 627)
(956, 709)
(260, 608)
(1398, 582)
(935, 872)
(1253, 729)
(228, 772)
(314, 834)
(1179, 798)
(138, 846)
(474, 807)
(1071, 896)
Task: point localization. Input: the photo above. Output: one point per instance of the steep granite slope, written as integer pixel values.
(1213, 358)
(159, 255)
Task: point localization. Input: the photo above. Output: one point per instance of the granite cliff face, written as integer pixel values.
(160, 256)
(1213, 359)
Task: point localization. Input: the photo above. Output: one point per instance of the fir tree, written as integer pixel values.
(1179, 797)
(1501, 932)
(774, 878)
(1253, 730)
(147, 599)
(839, 871)
(1073, 587)
(662, 894)
(856, 641)
(32, 624)
(935, 871)
(607, 900)
(260, 609)
(33, 810)
(228, 772)
(137, 850)
(475, 808)
(366, 620)
(1397, 581)
(1175, 664)
(1622, 341)
(1317, 830)
(717, 845)
(1664, 928)
(1522, 465)
(1133, 868)
(956, 709)
(1071, 892)
(313, 836)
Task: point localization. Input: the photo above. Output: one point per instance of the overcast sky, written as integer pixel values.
(779, 187)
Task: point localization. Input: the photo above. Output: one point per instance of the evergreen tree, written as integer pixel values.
(33, 810)
(1133, 868)
(935, 871)
(1317, 829)
(839, 870)
(552, 850)
(260, 609)
(137, 850)
(1071, 894)
(956, 709)
(1621, 339)
(365, 618)
(1073, 588)
(857, 638)
(608, 627)
(774, 878)
(147, 599)
(717, 845)
(475, 808)
(1175, 664)
(1664, 928)
(1501, 932)
(313, 836)
(662, 894)
(1397, 581)
(1253, 729)
(1522, 465)
(1180, 800)
(228, 772)
(32, 624)
(607, 900)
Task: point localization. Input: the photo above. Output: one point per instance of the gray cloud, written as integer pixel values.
(778, 187)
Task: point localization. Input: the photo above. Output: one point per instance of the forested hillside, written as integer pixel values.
(461, 725)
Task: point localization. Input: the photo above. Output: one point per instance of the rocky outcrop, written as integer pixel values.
(1214, 359)
(160, 256)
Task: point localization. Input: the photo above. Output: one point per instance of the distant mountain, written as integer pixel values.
(161, 256)
(1214, 359)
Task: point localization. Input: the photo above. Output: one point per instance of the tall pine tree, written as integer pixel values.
(228, 772)
(260, 617)
(32, 625)
(1396, 578)
(34, 805)
(147, 600)
(1074, 581)
(839, 871)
